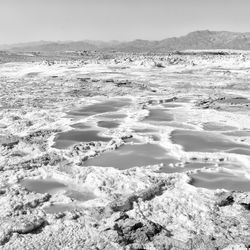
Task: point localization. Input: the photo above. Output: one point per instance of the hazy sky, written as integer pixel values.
(32, 20)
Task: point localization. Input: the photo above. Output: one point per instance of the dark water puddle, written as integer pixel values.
(68, 138)
(102, 107)
(184, 99)
(143, 130)
(179, 125)
(199, 141)
(240, 133)
(128, 156)
(113, 116)
(79, 195)
(155, 137)
(108, 124)
(53, 186)
(32, 74)
(59, 208)
(43, 185)
(221, 180)
(212, 126)
(241, 151)
(80, 125)
(171, 105)
(159, 115)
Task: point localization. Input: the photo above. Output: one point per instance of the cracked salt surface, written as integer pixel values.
(200, 143)
(184, 167)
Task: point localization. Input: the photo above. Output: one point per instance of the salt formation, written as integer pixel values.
(58, 118)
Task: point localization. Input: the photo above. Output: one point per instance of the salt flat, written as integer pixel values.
(145, 152)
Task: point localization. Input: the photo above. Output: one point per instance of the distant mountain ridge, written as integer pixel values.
(196, 40)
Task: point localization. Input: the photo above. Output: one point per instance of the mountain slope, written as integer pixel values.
(207, 40)
(195, 40)
(62, 46)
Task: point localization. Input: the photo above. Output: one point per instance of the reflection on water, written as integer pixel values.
(53, 186)
(128, 156)
(80, 125)
(221, 180)
(68, 138)
(241, 133)
(108, 124)
(199, 141)
(101, 107)
(43, 185)
(212, 126)
(159, 115)
(59, 208)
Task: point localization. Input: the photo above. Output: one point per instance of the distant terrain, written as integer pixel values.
(198, 40)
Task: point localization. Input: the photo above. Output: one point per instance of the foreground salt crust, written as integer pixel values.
(136, 208)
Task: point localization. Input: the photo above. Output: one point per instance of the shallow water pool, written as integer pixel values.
(107, 124)
(221, 180)
(68, 138)
(159, 115)
(128, 156)
(102, 107)
(53, 186)
(59, 208)
(42, 186)
(199, 141)
(212, 126)
(240, 133)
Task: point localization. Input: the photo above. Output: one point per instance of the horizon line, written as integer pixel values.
(115, 40)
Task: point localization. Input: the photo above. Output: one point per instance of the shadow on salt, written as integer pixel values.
(199, 141)
(128, 156)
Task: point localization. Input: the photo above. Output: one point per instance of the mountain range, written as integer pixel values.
(198, 40)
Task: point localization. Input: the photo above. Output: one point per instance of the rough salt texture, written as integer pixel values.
(136, 208)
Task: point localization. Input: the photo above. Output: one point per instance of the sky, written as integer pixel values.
(124, 20)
